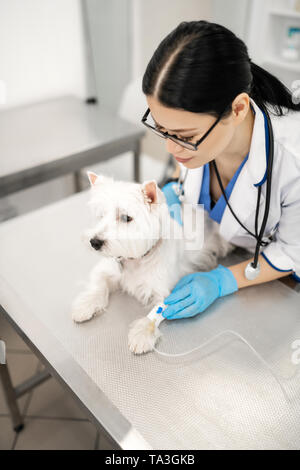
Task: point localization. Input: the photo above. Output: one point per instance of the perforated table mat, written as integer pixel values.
(226, 395)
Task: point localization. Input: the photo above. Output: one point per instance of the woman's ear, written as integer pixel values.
(240, 106)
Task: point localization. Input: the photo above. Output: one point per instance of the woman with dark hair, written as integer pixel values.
(202, 87)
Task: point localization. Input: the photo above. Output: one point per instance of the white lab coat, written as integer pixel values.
(283, 253)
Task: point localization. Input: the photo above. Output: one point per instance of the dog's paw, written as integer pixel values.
(225, 248)
(81, 313)
(143, 335)
(85, 306)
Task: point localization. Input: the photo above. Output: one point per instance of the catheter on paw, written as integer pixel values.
(144, 333)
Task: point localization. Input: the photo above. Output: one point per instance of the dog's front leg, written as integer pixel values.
(144, 332)
(104, 278)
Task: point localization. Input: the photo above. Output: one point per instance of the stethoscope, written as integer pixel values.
(252, 270)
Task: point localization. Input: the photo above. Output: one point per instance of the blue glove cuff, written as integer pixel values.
(167, 187)
(226, 280)
(173, 201)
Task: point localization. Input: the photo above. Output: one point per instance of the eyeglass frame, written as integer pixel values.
(166, 135)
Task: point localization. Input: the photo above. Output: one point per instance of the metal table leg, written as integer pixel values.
(77, 181)
(11, 398)
(136, 162)
(12, 393)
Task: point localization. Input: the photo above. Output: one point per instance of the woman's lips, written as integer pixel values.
(183, 160)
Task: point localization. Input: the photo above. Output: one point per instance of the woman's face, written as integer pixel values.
(192, 126)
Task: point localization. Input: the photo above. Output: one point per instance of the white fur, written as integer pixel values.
(150, 278)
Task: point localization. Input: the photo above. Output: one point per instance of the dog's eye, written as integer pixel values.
(125, 218)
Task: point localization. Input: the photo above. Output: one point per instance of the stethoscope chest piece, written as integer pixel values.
(179, 187)
(251, 272)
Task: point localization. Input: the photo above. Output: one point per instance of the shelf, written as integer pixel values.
(283, 64)
(285, 13)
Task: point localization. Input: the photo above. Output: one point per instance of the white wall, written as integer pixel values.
(41, 57)
(233, 14)
(41, 49)
(154, 19)
(151, 22)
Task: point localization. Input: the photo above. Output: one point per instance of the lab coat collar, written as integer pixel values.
(257, 161)
(244, 194)
(243, 198)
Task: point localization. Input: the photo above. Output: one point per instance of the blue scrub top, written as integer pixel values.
(216, 210)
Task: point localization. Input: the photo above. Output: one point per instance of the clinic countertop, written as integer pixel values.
(48, 139)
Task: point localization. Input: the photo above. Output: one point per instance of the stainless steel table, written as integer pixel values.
(52, 138)
(227, 395)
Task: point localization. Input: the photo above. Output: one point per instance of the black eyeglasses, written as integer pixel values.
(174, 138)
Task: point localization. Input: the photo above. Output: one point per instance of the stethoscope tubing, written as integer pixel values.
(257, 236)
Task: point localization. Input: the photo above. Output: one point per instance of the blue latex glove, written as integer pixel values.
(173, 202)
(195, 292)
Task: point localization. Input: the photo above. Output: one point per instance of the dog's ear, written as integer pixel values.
(92, 177)
(96, 179)
(149, 189)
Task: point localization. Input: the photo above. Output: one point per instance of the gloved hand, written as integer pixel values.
(173, 201)
(195, 292)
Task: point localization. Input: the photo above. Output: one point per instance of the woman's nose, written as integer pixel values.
(172, 147)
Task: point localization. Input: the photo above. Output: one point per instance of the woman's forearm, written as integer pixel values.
(267, 273)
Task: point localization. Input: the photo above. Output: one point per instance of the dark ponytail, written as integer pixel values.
(268, 89)
(201, 67)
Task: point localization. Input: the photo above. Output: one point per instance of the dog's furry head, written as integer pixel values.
(128, 216)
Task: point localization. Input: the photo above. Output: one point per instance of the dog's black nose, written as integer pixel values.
(96, 243)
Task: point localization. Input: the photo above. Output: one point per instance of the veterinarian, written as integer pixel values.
(202, 88)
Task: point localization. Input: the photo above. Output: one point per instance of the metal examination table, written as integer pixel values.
(223, 396)
(49, 139)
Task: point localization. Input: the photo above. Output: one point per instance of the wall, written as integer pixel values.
(152, 21)
(41, 49)
(233, 14)
(109, 33)
(41, 57)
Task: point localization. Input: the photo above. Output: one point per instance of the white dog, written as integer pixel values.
(143, 251)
